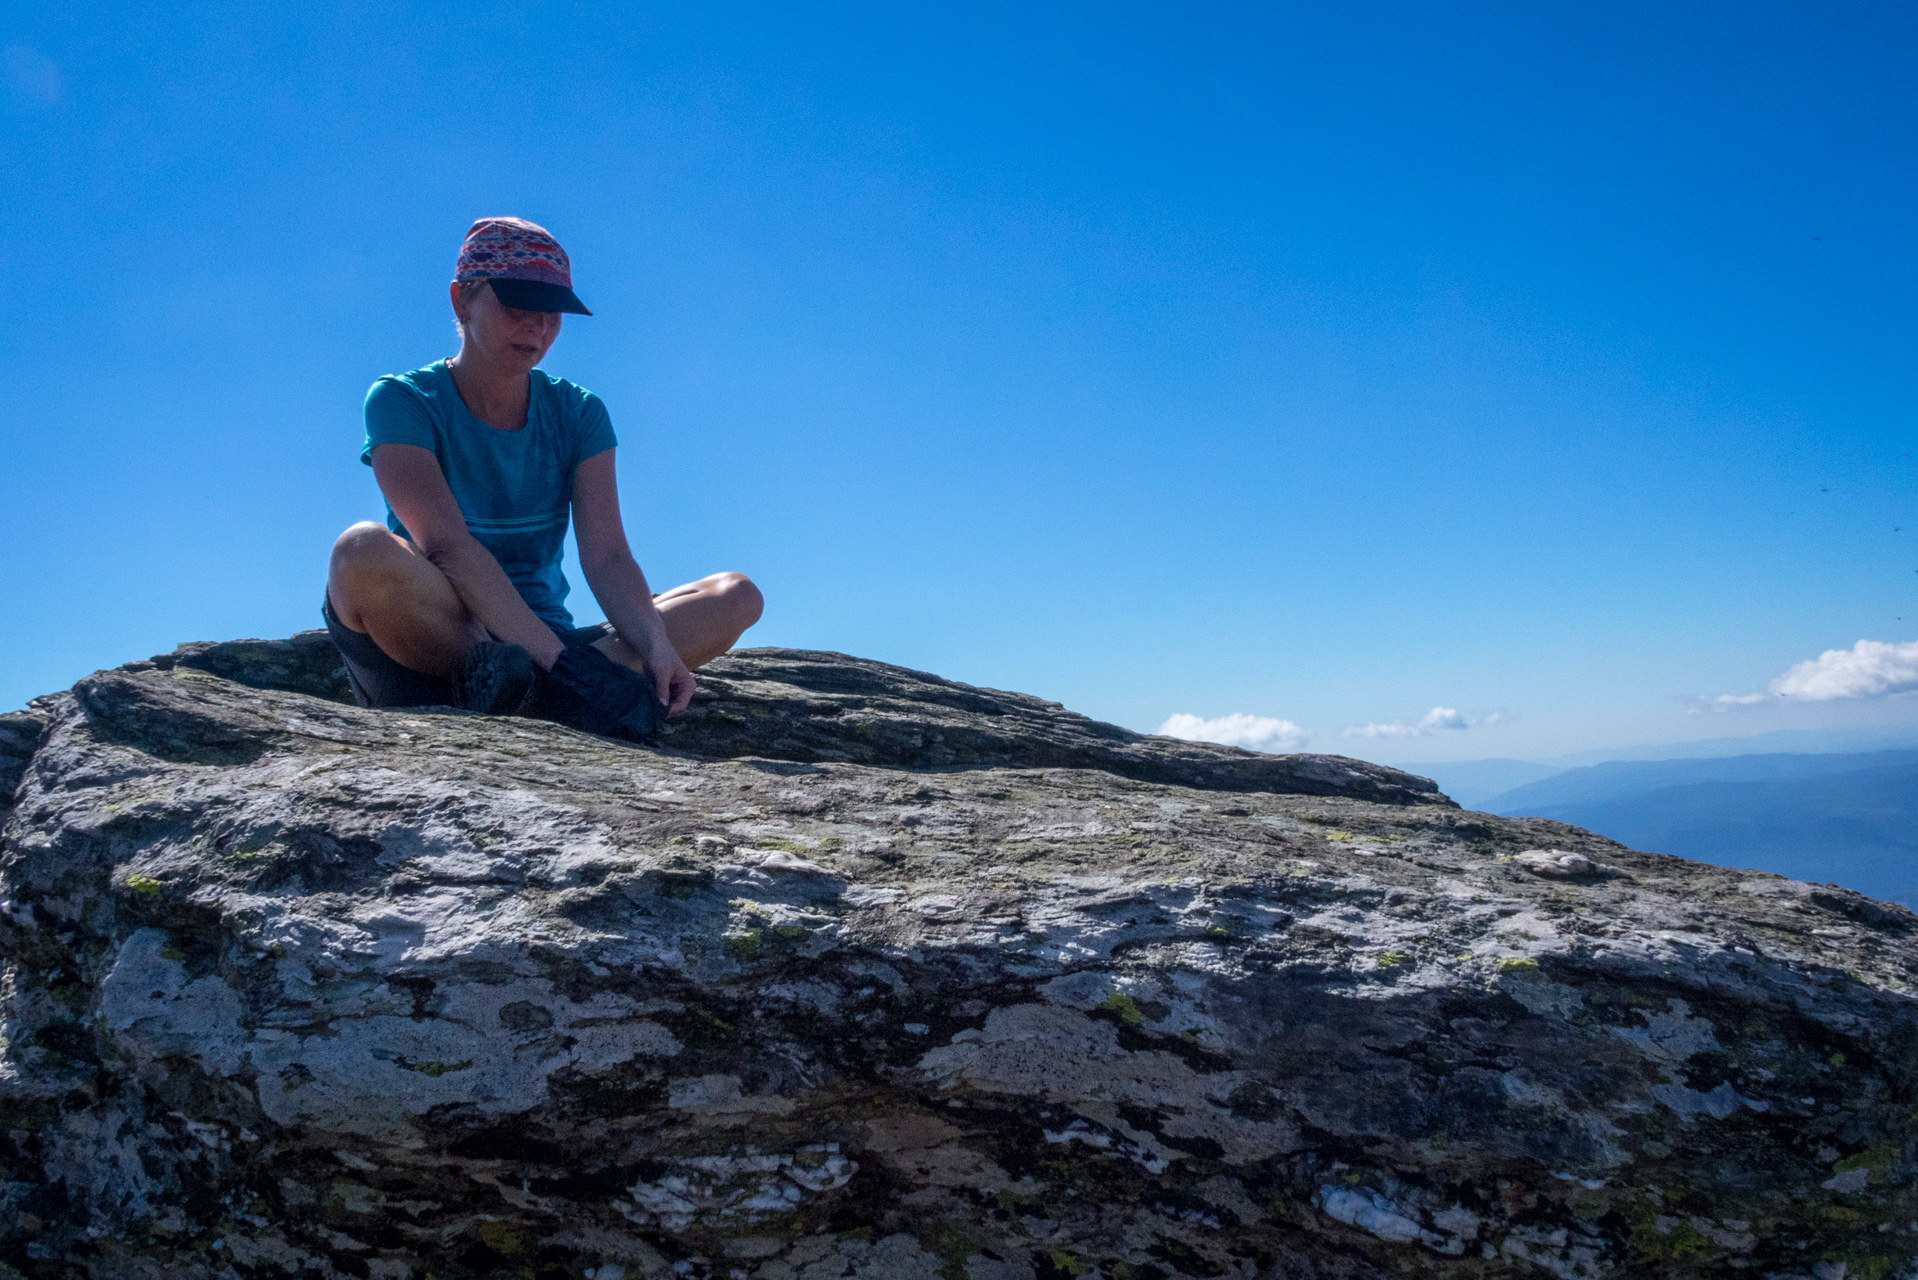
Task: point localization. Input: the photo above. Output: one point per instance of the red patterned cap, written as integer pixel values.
(529, 271)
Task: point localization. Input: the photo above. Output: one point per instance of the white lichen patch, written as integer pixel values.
(1670, 1037)
(720, 1190)
(1718, 1102)
(1056, 1054)
(493, 1048)
(717, 1098)
(1367, 1210)
(150, 1005)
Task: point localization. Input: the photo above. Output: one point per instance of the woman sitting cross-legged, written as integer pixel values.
(458, 600)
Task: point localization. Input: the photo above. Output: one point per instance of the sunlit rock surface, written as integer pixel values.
(865, 973)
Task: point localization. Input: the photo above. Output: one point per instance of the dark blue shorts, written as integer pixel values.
(378, 681)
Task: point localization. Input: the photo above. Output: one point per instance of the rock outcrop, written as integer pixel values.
(863, 973)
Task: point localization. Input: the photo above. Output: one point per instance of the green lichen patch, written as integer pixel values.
(782, 845)
(502, 1238)
(952, 1244)
(1654, 1238)
(1875, 1161)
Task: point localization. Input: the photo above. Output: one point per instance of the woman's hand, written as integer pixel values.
(672, 680)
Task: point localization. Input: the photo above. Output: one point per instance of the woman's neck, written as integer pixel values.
(496, 397)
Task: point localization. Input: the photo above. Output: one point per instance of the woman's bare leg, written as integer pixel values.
(706, 618)
(384, 586)
(703, 619)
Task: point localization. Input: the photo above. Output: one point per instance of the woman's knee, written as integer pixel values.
(365, 543)
(370, 558)
(742, 597)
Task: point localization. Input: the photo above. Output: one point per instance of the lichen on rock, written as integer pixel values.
(867, 973)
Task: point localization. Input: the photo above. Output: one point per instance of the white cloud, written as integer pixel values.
(1433, 721)
(1726, 701)
(32, 77)
(1869, 669)
(1393, 729)
(1259, 733)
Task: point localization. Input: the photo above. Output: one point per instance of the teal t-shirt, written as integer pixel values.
(515, 488)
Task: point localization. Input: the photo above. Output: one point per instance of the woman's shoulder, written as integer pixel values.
(426, 382)
(562, 389)
(585, 428)
(573, 402)
(408, 408)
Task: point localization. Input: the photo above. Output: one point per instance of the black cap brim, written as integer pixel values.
(537, 295)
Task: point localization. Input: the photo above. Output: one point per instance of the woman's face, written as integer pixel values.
(508, 340)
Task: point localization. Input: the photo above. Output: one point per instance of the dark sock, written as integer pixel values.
(588, 690)
(495, 679)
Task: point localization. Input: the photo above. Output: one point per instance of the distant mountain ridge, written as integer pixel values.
(1850, 741)
(1475, 783)
(1849, 819)
(1617, 778)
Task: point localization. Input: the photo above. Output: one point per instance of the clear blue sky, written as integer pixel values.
(1322, 363)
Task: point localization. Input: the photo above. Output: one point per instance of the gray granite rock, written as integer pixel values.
(864, 973)
(797, 704)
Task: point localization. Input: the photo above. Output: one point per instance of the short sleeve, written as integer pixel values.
(595, 427)
(395, 414)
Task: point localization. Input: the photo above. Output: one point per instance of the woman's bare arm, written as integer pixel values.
(617, 581)
(416, 488)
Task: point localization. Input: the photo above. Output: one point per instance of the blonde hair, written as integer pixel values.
(467, 288)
